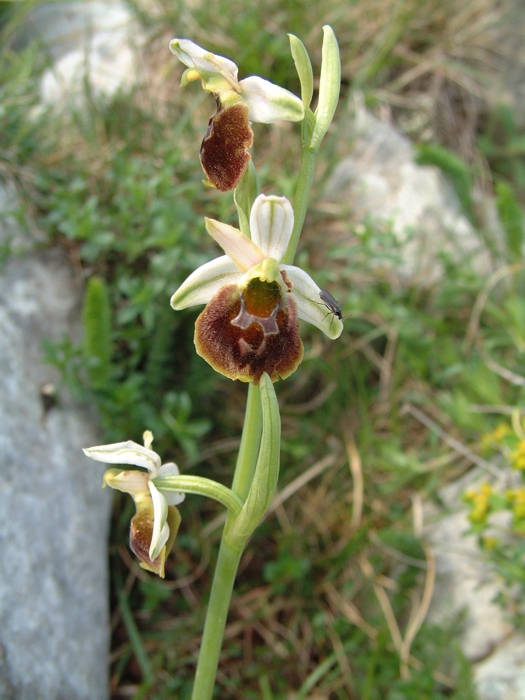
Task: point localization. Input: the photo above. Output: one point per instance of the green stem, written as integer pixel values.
(229, 557)
(301, 199)
(202, 487)
(223, 580)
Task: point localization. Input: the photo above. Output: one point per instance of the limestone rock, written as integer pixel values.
(54, 632)
(502, 675)
(90, 40)
(382, 183)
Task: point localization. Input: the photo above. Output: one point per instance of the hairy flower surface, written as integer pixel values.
(155, 524)
(250, 324)
(224, 150)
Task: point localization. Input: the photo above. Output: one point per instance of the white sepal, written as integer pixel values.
(309, 305)
(128, 452)
(205, 282)
(269, 103)
(194, 56)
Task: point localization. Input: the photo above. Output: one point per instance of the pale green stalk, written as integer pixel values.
(257, 468)
(259, 444)
(201, 486)
(315, 125)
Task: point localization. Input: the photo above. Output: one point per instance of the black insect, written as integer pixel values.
(331, 304)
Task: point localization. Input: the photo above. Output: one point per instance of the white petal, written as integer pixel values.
(128, 452)
(131, 481)
(271, 224)
(205, 282)
(241, 249)
(196, 57)
(309, 305)
(269, 103)
(161, 531)
(173, 498)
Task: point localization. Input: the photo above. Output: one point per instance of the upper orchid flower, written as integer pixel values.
(250, 324)
(155, 524)
(224, 150)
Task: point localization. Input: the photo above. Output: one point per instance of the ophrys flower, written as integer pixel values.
(155, 524)
(250, 324)
(224, 150)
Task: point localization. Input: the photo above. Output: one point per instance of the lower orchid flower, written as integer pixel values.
(156, 522)
(253, 301)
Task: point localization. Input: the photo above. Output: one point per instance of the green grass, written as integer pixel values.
(119, 186)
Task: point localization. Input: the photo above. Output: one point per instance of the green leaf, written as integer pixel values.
(329, 86)
(511, 217)
(453, 167)
(96, 318)
(303, 66)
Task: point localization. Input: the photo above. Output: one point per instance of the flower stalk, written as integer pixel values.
(249, 329)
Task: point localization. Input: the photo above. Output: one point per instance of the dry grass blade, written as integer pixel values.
(418, 618)
(452, 441)
(384, 602)
(354, 459)
(344, 607)
(479, 305)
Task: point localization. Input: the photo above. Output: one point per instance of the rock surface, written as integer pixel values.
(87, 40)
(382, 183)
(465, 583)
(54, 632)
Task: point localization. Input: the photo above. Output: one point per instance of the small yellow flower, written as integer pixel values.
(496, 436)
(489, 542)
(480, 502)
(517, 498)
(517, 458)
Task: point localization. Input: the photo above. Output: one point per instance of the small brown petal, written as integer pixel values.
(224, 149)
(241, 345)
(140, 532)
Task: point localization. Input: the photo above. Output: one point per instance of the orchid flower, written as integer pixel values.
(155, 524)
(250, 324)
(224, 150)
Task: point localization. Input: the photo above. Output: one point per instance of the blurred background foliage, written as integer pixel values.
(331, 583)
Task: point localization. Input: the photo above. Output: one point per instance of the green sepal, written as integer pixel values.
(303, 67)
(244, 195)
(329, 86)
(266, 474)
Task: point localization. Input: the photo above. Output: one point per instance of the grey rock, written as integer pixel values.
(382, 183)
(54, 631)
(90, 40)
(465, 582)
(502, 675)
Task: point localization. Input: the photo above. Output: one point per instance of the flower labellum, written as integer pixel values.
(156, 521)
(243, 334)
(224, 150)
(250, 324)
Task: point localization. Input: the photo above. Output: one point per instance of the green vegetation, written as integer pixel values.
(330, 584)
